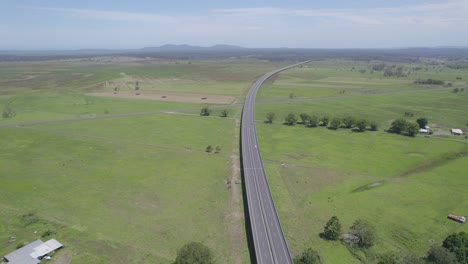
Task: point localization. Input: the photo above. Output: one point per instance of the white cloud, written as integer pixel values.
(427, 24)
(109, 15)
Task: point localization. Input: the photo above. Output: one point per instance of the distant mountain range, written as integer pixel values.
(185, 47)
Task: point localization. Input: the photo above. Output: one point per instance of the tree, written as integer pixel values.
(218, 149)
(374, 126)
(194, 253)
(313, 121)
(361, 124)
(332, 229)
(270, 116)
(422, 122)
(8, 112)
(290, 119)
(137, 86)
(398, 126)
(365, 231)
(209, 149)
(205, 111)
(335, 123)
(224, 113)
(349, 121)
(325, 120)
(440, 255)
(304, 117)
(412, 129)
(458, 244)
(309, 256)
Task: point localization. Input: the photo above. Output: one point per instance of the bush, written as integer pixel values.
(8, 112)
(361, 124)
(458, 244)
(194, 253)
(332, 230)
(309, 256)
(290, 119)
(412, 129)
(399, 125)
(349, 121)
(324, 120)
(313, 121)
(335, 123)
(438, 254)
(205, 111)
(224, 113)
(270, 117)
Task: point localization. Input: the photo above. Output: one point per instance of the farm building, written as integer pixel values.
(456, 131)
(423, 131)
(32, 253)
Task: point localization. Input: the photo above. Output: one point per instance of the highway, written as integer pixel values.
(267, 234)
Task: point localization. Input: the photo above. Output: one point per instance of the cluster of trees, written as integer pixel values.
(361, 234)
(389, 71)
(210, 149)
(401, 126)
(398, 72)
(454, 249)
(456, 90)
(429, 81)
(325, 121)
(194, 253)
(206, 111)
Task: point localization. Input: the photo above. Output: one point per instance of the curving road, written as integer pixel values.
(269, 242)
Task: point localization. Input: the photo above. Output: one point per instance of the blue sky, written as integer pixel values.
(54, 24)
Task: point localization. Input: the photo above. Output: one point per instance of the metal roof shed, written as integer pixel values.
(46, 248)
(23, 255)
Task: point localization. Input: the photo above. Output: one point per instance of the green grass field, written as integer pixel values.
(405, 186)
(128, 189)
(134, 189)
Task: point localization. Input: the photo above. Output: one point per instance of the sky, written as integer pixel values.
(125, 24)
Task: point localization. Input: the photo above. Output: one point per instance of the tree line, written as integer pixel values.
(325, 121)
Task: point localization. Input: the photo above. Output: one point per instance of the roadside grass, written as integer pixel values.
(405, 186)
(103, 196)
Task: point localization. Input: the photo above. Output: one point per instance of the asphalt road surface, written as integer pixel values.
(269, 242)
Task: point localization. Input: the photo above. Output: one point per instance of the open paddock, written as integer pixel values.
(170, 97)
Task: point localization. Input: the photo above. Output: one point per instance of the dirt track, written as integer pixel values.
(170, 96)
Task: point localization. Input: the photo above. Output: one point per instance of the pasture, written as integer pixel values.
(405, 186)
(119, 180)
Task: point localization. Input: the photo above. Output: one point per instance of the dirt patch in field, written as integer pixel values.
(170, 96)
(434, 163)
(367, 187)
(63, 259)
